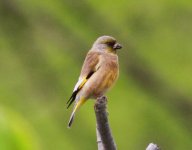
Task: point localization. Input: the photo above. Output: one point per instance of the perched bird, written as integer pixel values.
(99, 72)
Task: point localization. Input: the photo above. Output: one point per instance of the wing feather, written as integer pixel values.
(89, 67)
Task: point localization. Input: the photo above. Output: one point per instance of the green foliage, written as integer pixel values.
(42, 47)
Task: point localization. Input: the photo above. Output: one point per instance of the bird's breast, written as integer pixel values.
(107, 75)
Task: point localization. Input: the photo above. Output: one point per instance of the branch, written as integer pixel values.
(152, 146)
(104, 137)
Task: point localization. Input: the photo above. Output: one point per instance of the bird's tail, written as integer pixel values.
(77, 105)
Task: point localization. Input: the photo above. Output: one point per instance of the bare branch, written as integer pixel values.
(104, 137)
(152, 146)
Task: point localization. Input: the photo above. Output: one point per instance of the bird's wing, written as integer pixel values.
(90, 65)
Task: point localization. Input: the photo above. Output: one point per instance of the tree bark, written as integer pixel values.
(105, 139)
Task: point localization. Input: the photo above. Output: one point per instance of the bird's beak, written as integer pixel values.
(117, 46)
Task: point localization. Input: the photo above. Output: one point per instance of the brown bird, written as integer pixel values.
(99, 72)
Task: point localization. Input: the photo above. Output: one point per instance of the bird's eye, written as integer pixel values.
(111, 43)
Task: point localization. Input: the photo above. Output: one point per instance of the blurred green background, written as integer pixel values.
(42, 48)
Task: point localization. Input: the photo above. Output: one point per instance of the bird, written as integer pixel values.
(99, 72)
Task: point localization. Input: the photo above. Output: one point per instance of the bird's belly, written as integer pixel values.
(99, 83)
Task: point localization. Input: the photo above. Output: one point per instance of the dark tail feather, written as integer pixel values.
(72, 98)
(76, 107)
(71, 119)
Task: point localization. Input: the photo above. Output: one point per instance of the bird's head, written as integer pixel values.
(106, 44)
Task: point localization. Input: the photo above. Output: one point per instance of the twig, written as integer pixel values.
(152, 146)
(99, 142)
(104, 137)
